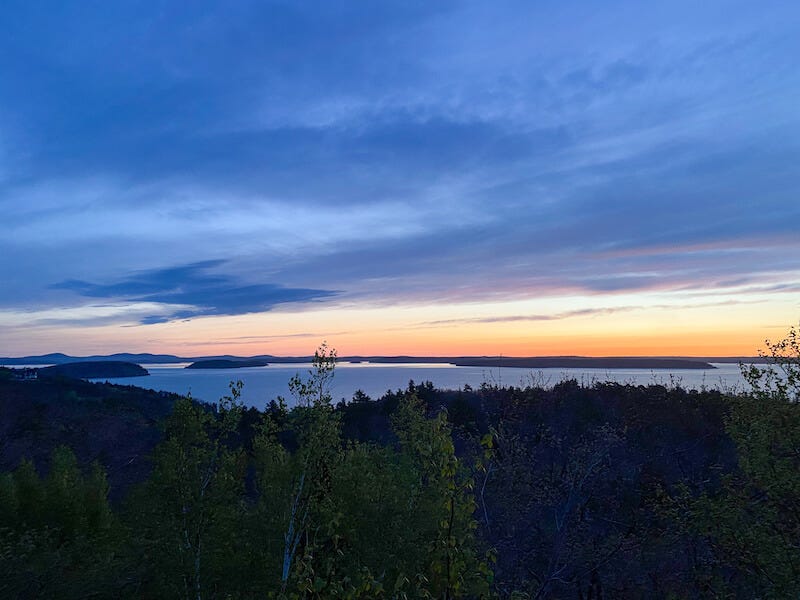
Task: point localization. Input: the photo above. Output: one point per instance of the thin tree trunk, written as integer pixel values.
(292, 536)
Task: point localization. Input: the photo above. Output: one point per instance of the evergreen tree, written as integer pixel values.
(58, 537)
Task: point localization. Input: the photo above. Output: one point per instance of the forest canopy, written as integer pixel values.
(594, 491)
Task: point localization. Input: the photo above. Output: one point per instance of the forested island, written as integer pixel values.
(226, 364)
(575, 491)
(94, 370)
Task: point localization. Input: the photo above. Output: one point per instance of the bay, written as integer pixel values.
(262, 384)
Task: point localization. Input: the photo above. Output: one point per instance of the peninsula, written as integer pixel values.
(226, 364)
(586, 362)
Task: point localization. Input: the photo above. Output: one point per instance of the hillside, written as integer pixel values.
(116, 425)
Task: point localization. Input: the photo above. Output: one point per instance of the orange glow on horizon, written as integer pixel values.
(631, 326)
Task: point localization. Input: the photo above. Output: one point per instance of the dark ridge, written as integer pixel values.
(117, 425)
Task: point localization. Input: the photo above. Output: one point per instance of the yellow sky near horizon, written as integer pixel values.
(652, 324)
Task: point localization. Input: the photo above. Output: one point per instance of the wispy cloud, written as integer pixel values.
(583, 312)
(283, 336)
(542, 317)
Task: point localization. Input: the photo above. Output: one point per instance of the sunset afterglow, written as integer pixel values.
(400, 179)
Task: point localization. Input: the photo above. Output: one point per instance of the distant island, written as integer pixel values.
(586, 362)
(226, 364)
(94, 370)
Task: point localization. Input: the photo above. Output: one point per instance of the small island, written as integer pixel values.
(100, 369)
(226, 364)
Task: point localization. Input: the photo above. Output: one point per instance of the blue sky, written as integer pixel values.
(168, 163)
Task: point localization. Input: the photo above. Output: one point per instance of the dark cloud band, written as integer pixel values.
(195, 287)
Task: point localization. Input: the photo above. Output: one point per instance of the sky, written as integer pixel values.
(440, 178)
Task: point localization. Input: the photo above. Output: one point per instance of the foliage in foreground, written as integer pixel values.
(608, 491)
(752, 522)
(288, 509)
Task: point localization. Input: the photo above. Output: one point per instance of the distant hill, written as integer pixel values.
(226, 364)
(94, 370)
(58, 358)
(643, 362)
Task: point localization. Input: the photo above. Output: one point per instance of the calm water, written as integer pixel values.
(262, 384)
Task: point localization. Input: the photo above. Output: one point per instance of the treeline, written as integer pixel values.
(609, 491)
